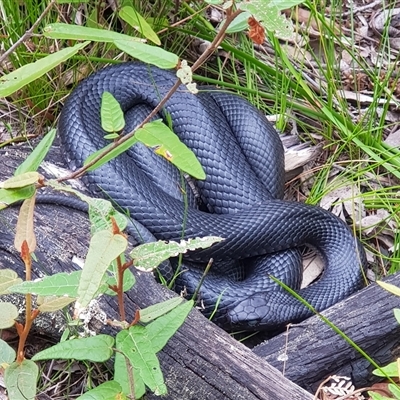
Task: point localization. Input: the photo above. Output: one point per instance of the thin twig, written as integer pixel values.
(28, 33)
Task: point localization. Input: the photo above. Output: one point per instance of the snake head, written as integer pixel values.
(251, 313)
(262, 311)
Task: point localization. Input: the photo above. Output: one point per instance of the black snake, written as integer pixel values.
(243, 159)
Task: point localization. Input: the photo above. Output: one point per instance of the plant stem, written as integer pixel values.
(29, 315)
(120, 289)
(28, 33)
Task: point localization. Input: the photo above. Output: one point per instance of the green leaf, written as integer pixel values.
(53, 303)
(395, 390)
(283, 4)
(270, 17)
(8, 278)
(126, 375)
(38, 154)
(112, 154)
(7, 354)
(156, 310)
(17, 79)
(100, 210)
(110, 390)
(20, 380)
(61, 284)
(9, 196)
(24, 231)
(389, 287)
(396, 312)
(163, 328)
(9, 313)
(112, 117)
(132, 46)
(148, 54)
(377, 396)
(111, 136)
(149, 256)
(77, 32)
(157, 135)
(100, 213)
(389, 370)
(104, 247)
(136, 21)
(239, 24)
(134, 343)
(95, 348)
(20, 181)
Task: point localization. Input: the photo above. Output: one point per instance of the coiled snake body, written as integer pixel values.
(243, 159)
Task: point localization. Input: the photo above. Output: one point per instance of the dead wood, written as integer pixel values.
(314, 351)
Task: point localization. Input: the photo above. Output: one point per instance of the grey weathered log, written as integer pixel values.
(199, 362)
(314, 351)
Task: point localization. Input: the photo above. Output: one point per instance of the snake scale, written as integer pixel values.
(243, 159)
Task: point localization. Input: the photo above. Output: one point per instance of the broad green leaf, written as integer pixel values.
(8, 278)
(38, 154)
(111, 136)
(270, 17)
(389, 370)
(377, 396)
(163, 328)
(395, 390)
(283, 4)
(110, 390)
(134, 343)
(136, 21)
(76, 32)
(20, 380)
(24, 230)
(53, 303)
(214, 2)
(61, 284)
(9, 196)
(7, 354)
(396, 312)
(156, 310)
(20, 181)
(100, 213)
(126, 375)
(100, 210)
(389, 287)
(95, 348)
(104, 247)
(112, 117)
(148, 54)
(17, 79)
(149, 256)
(9, 313)
(239, 24)
(157, 135)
